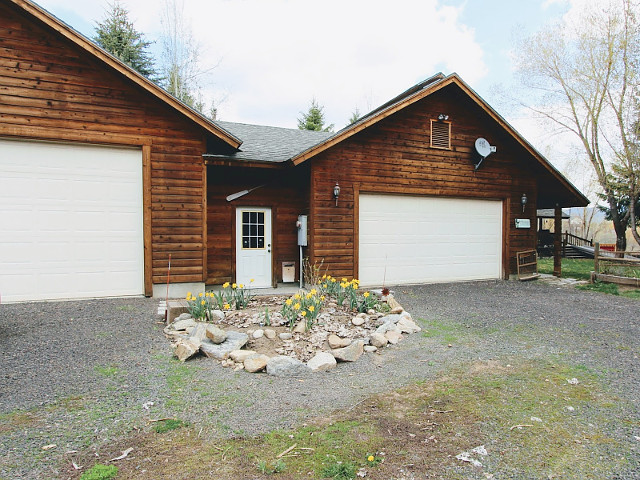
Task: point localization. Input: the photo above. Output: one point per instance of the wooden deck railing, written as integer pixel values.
(571, 239)
(621, 268)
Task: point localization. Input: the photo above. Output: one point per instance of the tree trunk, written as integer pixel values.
(633, 218)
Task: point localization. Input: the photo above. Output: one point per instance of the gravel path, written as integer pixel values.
(77, 374)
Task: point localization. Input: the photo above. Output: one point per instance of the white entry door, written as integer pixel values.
(253, 246)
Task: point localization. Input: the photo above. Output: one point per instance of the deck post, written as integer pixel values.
(596, 254)
(557, 242)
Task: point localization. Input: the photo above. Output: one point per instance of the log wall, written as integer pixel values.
(394, 156)
(51, 89)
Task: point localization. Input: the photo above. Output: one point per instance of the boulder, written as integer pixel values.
(378, 340)
(394, 305)
(395, 318)
(357, 321)
(184, 316)
(370, 349)
(337, 342)
(396, 310)
(239, 356)
(269, 333)
(199, 332)
(215, 334)
(255, 363)
(387, 327)
(301, 327)
(393, 336)
(234, 341)
(350, 353)
(185, 349)
(322, 361)
(283, 366)
(408, 326)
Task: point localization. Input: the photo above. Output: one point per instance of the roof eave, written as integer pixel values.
(80, 40)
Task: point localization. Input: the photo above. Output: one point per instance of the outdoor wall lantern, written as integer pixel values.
(523, 201)
(336, 192)
(442, 117)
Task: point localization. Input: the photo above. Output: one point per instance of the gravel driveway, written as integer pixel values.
(76, 374)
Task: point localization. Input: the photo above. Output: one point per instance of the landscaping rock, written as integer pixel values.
(370, 348)
(285, 336)
(357, 321)
(216, 316)
(183, 324)
(337, 342)
(255, 363)
(378, 340)
(184, 316)
(394, 305)
(234, 341)
(371, 311)
(393, 336)
(397, 310)
(350, 353)
(282, 366)
(387, 327)
(408, 326)
(258, 333)
(269, 333)
(321, 362)
(186, 349)
(301, 327)
(199, 332)
(395, 318)
(239, 356)
(215, 334)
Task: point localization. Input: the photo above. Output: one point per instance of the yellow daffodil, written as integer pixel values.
(344, 279)
(296, 306)
(311, 308)
(200, 294)
(226, 306)
(297, 296)
(241, 285)
(304, 314)
(252, 280)
(324, 276)
(225, 285)
(313, 291)
(333, 280)
(289, 302)
(234, 285)
(309, 296)
(371, 458)
(322, 298)
(203, 302)
(366, 294)
(188, 294)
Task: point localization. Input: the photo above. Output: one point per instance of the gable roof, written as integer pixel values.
(420, 91)
(268, 144)
(54, 23)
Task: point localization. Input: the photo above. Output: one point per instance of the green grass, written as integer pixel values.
(579, 268)
(100, 472)
(611, 289)
(169, 424)
(107, 370)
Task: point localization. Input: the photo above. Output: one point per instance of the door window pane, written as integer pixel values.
(253, 230)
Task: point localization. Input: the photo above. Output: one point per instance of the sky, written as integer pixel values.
(269, 58)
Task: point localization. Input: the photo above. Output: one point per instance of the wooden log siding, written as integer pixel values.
(394, 157)
(285, 192)
(53, 90)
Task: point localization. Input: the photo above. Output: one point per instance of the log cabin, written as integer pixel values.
(106, 181)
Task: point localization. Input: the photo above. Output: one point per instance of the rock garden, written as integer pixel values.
(313, 330)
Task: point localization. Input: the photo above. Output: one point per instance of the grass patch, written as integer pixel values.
(108, 371)
(168, 424)
(446, 332)
(100, 472)
(417, 432)
(611, 289)
(579, 268)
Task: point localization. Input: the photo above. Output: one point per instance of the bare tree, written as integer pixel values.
(586, 75)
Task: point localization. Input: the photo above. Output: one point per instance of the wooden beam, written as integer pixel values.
(356, 230)
(146, 219)
(557, 242)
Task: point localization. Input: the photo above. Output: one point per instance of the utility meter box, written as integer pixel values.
(523, 223)
(288, 272)
(302, 230)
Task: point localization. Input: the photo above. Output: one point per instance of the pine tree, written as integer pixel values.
(355, 116)
(314, 119)
(117, 35)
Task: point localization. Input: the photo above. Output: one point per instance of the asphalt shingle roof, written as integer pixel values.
(261, 143)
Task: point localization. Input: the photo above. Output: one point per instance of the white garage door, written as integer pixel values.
(71, 221)
(406, 239)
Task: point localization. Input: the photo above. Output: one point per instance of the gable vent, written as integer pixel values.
(440, 134)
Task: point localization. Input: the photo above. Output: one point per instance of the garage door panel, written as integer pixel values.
(73, 218)
(407, 239)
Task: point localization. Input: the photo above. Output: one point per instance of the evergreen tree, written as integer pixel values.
(355, 116)
(314, 119)
(117, 35)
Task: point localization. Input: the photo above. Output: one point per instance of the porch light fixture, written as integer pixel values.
(523, 201)
(442, 117)
(336, 192)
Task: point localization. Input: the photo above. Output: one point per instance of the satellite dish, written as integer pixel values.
(483, 148)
